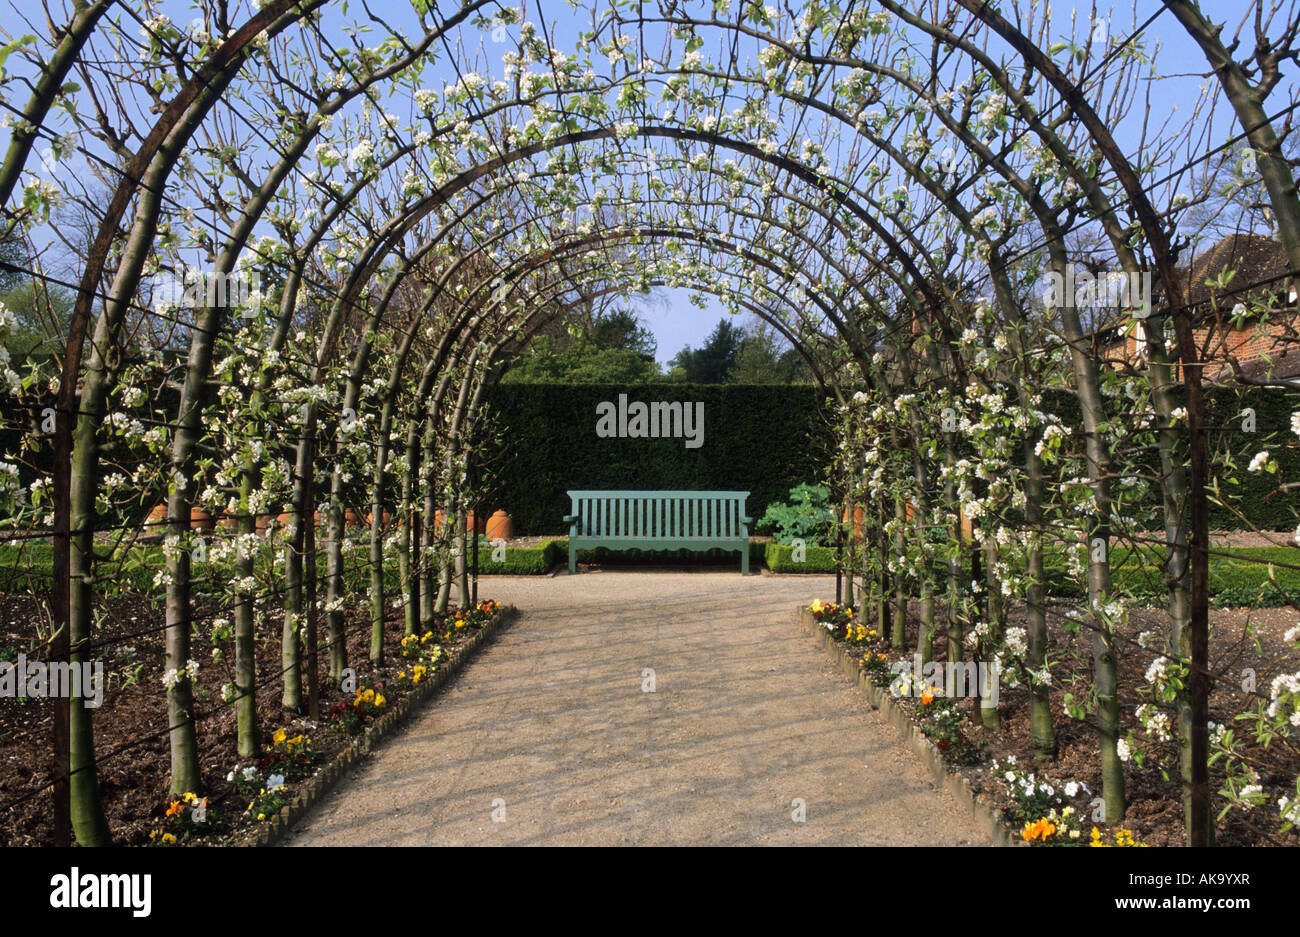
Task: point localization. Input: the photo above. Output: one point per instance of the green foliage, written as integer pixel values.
(714, 362)
(613, 348)
(807, 516)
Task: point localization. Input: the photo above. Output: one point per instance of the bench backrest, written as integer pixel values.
(659, 515)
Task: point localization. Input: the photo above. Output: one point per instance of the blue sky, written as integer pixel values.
(676, 322)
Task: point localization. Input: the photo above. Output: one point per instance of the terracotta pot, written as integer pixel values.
(385, 518)
(157, 518)
(469, 522)
(351, 518)
(500, 526)
(857, 521)
(201, 520)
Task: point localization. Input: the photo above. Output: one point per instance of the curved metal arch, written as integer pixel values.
(505, 233)
(904, 256)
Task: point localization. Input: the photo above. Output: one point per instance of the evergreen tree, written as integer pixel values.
(713, 362)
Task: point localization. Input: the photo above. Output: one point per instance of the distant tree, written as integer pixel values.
(713, 362)
(610, 349)
(622, 330)
(41, 314)
(13, 259)
(765, 358)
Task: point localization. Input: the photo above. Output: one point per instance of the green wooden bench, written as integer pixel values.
(659, 520)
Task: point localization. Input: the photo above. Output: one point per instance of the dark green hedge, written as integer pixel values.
(766, 439)
(1253, 497)
(760, 439)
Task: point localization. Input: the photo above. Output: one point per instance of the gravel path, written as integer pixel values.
(549, 727)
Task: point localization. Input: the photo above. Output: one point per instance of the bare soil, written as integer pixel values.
(1242, 642)
(131, 738)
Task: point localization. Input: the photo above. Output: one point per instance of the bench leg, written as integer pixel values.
(573, 557)
(744, 560)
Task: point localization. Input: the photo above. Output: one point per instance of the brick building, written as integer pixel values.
(1248, 323)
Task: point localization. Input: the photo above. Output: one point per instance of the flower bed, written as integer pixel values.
(1057, 802)
(239, 801)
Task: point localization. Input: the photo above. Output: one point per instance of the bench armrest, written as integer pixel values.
(747, 520)
(569, 518)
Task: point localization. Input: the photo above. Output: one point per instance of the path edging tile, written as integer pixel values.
(325, 780)
(986, 816)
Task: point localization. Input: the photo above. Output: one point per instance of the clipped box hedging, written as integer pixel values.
(780, 559)
(673, 557)
(30, 568)
(521, 561)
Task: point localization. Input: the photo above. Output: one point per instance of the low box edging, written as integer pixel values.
(947, 775)
(325, 779)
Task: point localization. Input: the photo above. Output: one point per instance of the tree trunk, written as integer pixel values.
(409, 556)
(249, 742)
(430, 606)
(180, 696)
(1040, 702)
(1274, 168)
(334, 588)
(897, 636)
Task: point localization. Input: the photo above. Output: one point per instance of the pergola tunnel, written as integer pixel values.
(267, 263)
